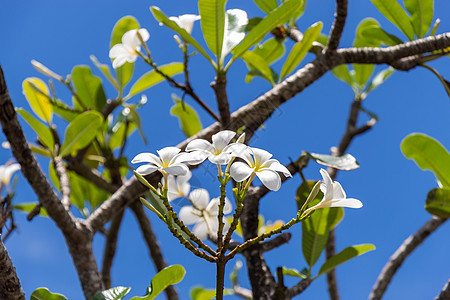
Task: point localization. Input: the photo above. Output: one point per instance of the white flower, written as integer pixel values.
(178, 187)
(203, 213)
(334, 195)
(219, 152)
(128, 50)
(258, 163)
(170, 161)
(185, 21)
(7, 171)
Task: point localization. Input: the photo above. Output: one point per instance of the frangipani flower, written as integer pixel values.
(334, 195)
(258, 163)
(128, 50)
(219, 152)
(185, 21)
(169, 162)
(7, 171)
(179, 186)
(203, 213)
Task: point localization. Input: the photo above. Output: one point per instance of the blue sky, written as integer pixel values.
(392, 188)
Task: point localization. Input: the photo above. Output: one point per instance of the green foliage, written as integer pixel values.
(428, 154)
(295, 273)
(105, 71)
(28, 207)
(187, 116)
(45, 294)
(167, 276)
(45, 135)
(81, 131)
(342, 73)
(212, 18)
(421, 12)
(200, 293)
(152, 78)
(343, 256)
(88, 88)
(267, 5)
(125, 24)
(393, 11)
(115, 293)
(379, 79)
(38, 97)
(438, 202)
(279, 16)
(259, 66)
(345, 162)
(162, 18)
(300, 49)
(364, 71)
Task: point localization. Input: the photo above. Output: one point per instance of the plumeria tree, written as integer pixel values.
(85, 177)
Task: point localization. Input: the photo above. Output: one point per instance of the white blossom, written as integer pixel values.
(6, 172)
(203, 213)
(334, 195)
(185, 21)
(178, 186)
(128, 50)
(258, 162)
(170, 161)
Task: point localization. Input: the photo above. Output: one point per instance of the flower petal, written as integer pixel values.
(199, 198)
(221, 139)
(260, 156)
(221, 159)
(146, 169)
(189, 215)
(7, 172)
(276, 166)
(186, 21)
(213, 207)
(118, 50)
(327, 183)
(241, 151)
(270, 179)
(338, 191)
(176, 169)
(147, 158)
(200, 144)
(201, 230)
(144, 34)
(166, 154)
(240, 171)
(119, 61)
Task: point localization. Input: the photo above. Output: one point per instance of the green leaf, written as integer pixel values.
(81, 131)
(167, 276)
(45, 134)
(88, 87)
(64, 111)
(421, 12)
(118, 134)
(45, 294)
(267, 5)
(377, 33)
(256, 62)
(343, 256)
(212, 19)
(125, 24)
(275, 18)
(39, 150)
(345, 162)
(199, 293)
(300, 49)
(271, 50)
(435, 27)
(187, 116)
(393, 11)
(152, 78)
(162, 18)
(105, 71)
(28, 207)
(115, 293)
(342, 73)
(380, 78)
(295, 273)
(428, 154)
(438, 202)
(37, 94)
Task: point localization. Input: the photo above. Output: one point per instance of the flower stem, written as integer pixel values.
(233, 225)
(223, 193)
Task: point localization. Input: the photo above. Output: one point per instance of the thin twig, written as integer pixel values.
(445, 292)
(338, 26)
(397, 259)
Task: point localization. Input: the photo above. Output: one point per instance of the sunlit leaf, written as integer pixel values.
(428, 154)
(267, 5)
(44, 133)
(256, 62)
(105, 71)
(125, 24)
(421, 12)
(45, 294)
(345, 162)
(295, 273)
(37, 94)
(212, 18)
(343, 256)
(116, 293)
(342, 73)
(118, 135)
(377, 33)
(380, 78)
(88, 87)
(300, 49)
(161, 17)
(187, 116)
(152, 78)
(167, 276)
(438, 202)
(40, 150)
(28, 207)
(393, 11)
(81, 131)
(235, 23)
(364, 71)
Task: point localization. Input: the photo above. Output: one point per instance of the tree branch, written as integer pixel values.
(445, 293)
(397, 259)
(63, 182)
(220, 88)
(338, 26)
(10, 287)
